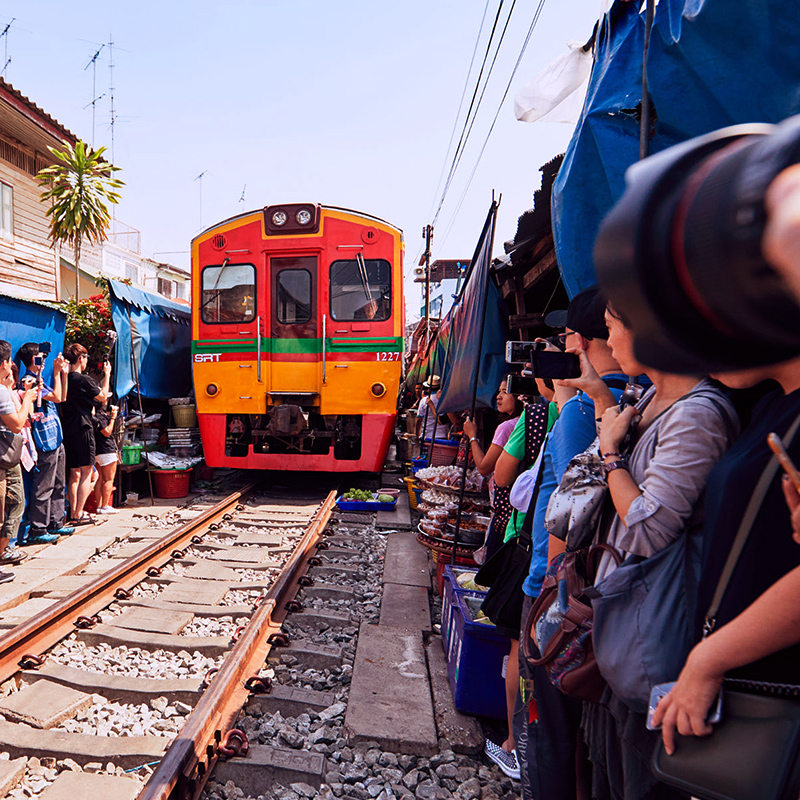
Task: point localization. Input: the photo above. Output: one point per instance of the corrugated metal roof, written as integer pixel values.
(26, 106)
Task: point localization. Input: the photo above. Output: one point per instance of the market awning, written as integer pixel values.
(158, 332)
(711, 63)
(32, 321)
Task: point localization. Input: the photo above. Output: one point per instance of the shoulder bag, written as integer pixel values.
(10, 449)
(560, 624)
(506, 571)
(754, 751)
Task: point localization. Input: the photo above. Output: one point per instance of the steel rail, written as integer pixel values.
(48, 627)
(189, 760)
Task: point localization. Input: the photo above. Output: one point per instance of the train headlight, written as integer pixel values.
(212, 389)
(279, 218)
(378, 389)
(303, 216)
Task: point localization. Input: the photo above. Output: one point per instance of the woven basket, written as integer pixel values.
(185, 416)
(168, 483)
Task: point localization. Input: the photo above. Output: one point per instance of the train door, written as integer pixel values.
(294, 329)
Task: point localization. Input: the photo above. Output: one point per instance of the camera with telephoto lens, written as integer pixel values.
(679, 256)
(109, 340)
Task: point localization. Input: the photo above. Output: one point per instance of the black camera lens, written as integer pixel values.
(679, 256)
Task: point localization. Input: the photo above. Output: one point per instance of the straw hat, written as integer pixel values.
(434, 382)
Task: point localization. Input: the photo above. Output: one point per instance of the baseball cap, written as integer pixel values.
(585, 315)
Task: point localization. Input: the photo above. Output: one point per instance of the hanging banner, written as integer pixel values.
(477, 333)
(712, 63)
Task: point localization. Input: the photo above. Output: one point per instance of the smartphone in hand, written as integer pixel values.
(663, 689)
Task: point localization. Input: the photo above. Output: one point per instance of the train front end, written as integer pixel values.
(297, 328)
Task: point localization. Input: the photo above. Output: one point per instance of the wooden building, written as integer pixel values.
(29, 266)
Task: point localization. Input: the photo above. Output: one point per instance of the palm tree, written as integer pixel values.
(79, 188)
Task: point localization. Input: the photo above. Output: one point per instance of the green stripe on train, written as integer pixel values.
(364, 345)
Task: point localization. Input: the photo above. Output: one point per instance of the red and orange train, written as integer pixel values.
(297, 338)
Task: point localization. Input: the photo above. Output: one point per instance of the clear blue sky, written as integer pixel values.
(348, 103)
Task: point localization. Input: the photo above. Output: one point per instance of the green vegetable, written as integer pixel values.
(361, 495)
(385, 498)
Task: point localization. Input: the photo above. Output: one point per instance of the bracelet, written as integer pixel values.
(473, 439)
(615, 465)
(608, 455)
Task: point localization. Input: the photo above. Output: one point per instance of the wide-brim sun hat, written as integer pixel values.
(434, 382)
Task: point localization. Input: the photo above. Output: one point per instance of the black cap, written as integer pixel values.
(585, 315)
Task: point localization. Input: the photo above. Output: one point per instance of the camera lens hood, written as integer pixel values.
(679, 256)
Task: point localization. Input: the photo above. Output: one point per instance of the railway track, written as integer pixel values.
(157, 652)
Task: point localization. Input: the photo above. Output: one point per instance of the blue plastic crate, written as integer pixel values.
(475, 657)
(448, 597)
(364, 505)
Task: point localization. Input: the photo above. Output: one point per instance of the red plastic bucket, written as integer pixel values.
(168, 483)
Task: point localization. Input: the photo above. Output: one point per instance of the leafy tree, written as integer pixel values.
(79, 187)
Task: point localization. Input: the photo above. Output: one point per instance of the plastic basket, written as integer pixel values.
(443, 453)
(169, 483)
(131, 454)
(184, 416)
(413, 491)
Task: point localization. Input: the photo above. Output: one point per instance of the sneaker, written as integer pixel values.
(12, 555)
(64, 530)
(107, 510)
(506, 761)
(5, 577)
(40, 538)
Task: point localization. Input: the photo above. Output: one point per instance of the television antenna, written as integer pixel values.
(200, 179)
(4, 37)
(241, 199)
(93, 64)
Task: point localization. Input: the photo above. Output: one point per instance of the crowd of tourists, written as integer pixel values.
(58, 446)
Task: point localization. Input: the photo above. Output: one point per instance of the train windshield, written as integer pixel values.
(228, 293)
(294, 296)
(361, 289)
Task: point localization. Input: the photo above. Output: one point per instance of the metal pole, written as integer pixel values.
(492, 219)
(644, 127)
(427, 235)
(141, 410)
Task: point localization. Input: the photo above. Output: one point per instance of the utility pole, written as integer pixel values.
(427, 235)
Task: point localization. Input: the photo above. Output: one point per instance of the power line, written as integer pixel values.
(534, 21)
(460, 103)
(472, 115)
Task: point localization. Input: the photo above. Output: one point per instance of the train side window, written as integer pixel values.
(294, 296)
(228, 293)
(361, 290)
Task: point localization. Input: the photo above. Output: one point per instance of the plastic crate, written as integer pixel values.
(169, 483)
(131, 454)
(451, 588)
(444, 561)
(475, 656)
(364, 505)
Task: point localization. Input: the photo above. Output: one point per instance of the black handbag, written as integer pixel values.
(505, 572)
(754, 751)
(10, 449)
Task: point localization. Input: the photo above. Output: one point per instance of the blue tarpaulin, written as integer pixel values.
(466, 357)
(158, 332)
(24, 321)
(712, 63)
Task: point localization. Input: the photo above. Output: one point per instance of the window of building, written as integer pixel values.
(6, 212)
(164, 287)
(132, 272)
(228, 293)
(361, 290)
(180, 291)
(293, 296)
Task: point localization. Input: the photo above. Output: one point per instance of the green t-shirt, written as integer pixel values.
(515, 447)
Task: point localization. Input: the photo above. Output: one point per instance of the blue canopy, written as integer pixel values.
(32, 321)
(475, 342)
(712, 63)
(158, 331)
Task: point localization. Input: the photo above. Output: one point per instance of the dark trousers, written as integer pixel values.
(547, 744)
(47, 495)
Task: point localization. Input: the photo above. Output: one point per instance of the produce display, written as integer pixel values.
(450, 477)
(358, 494)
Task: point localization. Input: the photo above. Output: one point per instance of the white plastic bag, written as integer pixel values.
(522, 490)
(557, 93)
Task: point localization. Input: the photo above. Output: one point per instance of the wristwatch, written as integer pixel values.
(473, 439)
(618, 464)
